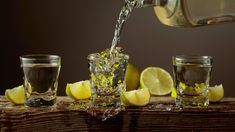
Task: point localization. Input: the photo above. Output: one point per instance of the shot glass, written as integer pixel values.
(107, 79)
(41, 74)
(191, 79)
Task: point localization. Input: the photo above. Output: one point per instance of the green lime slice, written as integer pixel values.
(132, 77)
(68, 91)
(157, 80)
(16, 95)
(79, 90)
(216, 93)
(138, 97)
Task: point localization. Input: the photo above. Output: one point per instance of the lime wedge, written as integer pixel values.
(79, 90)
(16, 95)
(216, 93)
(132, 77)
(138, 97)
(173, 93)
(157, 80)
(68, 91)
(6, 95)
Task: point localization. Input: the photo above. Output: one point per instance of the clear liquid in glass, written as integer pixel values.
(191, 82)
(40, 84)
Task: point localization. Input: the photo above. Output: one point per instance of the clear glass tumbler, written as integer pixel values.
(191, 78)
(107, 78)
(41, 74)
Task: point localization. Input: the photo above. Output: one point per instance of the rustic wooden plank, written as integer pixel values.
(160, 114)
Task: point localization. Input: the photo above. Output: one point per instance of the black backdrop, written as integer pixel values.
(75, 28)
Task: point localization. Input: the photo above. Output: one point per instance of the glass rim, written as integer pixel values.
(191, 57)
(93, 56)
(40, 57)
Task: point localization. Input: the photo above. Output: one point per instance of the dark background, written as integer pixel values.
(75, 28)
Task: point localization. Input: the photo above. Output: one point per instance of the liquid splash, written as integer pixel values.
(110, 83)
(99, 112)
(107, 72)
(104, 113)
(162, 107)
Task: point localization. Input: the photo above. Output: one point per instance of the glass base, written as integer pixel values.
(106, 101)
(192, 101)
(104, 107)
(39, 102)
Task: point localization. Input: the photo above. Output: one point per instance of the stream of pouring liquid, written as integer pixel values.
(108, 112)
(123, 17)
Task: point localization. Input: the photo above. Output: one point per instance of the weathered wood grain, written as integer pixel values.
(159, 115)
